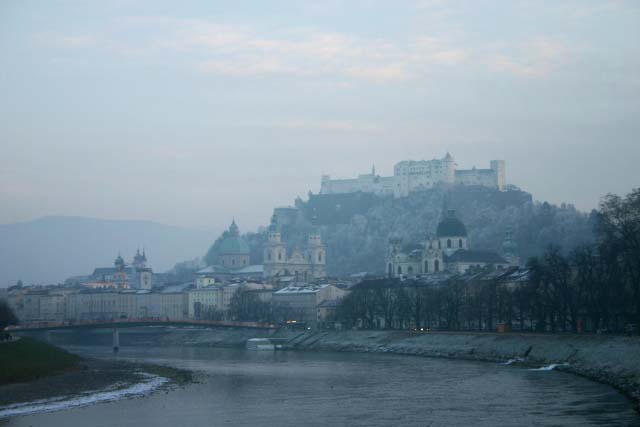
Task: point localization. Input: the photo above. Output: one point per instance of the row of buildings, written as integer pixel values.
(306, 304)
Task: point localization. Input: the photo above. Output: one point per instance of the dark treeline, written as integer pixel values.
(594, 288)
(7, 317)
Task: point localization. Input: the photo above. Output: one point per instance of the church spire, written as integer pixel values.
(233, 228)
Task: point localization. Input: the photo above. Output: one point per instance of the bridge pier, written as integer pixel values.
(116, 340)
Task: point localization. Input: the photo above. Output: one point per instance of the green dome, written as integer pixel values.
(233, 245)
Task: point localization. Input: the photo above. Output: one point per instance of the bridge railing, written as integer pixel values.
(139, 321)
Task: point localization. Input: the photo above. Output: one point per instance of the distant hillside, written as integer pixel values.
(50, 249)
(356, 227)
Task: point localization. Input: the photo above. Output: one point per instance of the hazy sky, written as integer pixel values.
(190, 113)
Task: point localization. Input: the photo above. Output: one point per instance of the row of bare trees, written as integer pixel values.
(594, 288)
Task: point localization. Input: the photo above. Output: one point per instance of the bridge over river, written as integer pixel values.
(116, 325)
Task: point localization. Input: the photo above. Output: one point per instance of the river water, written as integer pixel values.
(243, 388)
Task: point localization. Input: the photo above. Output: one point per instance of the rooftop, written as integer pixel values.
(464, 255)
(307, 289)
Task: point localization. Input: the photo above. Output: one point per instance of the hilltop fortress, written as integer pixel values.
(409, 176)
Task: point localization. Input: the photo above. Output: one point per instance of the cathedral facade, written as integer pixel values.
(305, 264)
(447, 251)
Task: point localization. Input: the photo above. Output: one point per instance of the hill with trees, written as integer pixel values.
(356, 227)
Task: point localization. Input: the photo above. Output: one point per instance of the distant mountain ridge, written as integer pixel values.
(52, 248)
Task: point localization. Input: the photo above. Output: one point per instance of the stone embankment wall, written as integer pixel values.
(612, 360)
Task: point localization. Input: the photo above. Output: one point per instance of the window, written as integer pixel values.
(436, 266)
(426, 266)
(460, 243)
(448, 243)
(399, 269)
(279, 256)
(439, 246)
(410, 270)
(390, 269)
(320, 257)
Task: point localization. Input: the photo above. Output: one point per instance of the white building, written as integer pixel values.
(217, 298)
(409, 176)
(125, 305)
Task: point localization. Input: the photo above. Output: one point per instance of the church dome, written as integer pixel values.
(450, 226)
(233, 243)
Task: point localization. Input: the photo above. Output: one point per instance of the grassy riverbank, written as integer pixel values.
(28, 359)
(32, 370)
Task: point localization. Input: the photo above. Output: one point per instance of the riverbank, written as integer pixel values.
(27, 359)
(612, 360)
(34, 371)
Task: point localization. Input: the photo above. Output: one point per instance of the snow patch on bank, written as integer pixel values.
(143, 388)
(549, 367)
(512, 361)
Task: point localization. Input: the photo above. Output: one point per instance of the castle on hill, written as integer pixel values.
(409, 176)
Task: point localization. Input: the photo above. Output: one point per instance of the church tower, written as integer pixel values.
(316, 252)
(274, 251)
(510, 248)
(449, 168)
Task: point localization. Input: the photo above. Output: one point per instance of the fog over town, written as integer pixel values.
(252, 213)
(193, 114)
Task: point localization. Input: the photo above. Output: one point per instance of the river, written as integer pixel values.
(241, 388)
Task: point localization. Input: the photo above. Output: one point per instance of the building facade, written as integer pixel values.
(96, 305)
(409, 176)
(211, 299)
(301, 304)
